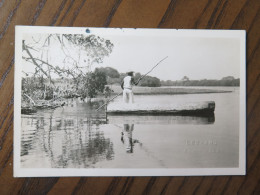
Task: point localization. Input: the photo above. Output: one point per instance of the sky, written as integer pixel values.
(195, 57)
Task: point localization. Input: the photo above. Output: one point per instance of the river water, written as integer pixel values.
(75, 136)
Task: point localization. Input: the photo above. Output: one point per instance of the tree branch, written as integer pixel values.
(34, 62)
(43, 62)
(29, 98)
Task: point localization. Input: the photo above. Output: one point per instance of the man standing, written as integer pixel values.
(127, 86)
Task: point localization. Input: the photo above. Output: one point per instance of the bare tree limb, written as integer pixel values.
(43, 62)
(34, 62)
(32, 48)
(29, 98)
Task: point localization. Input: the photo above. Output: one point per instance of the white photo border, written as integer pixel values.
(57, 172)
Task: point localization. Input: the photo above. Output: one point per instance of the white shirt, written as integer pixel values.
(127, 82)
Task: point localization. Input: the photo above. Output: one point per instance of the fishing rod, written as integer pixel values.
(136, 83)
(150, 70)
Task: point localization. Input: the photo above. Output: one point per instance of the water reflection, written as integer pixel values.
(76, 136)
(127, 138)
(64, 141)
(70, 137)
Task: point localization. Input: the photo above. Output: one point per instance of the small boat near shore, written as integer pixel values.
(189, 108)
(161, 119)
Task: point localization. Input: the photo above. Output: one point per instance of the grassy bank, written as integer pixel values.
(164, 90)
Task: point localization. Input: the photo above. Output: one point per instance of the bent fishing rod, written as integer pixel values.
(136, 83)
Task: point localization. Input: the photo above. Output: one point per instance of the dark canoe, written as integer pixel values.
(160, 119)
(187, 109)
(28, 110)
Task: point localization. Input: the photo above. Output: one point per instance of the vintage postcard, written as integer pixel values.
(129, 102)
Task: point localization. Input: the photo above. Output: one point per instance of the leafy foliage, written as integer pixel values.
(36, 88)
(150, 82)
(96, 83)
(97, 48)
(85, 82)
(93, 83)
(110, 72)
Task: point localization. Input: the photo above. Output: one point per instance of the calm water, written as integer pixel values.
(76, 137)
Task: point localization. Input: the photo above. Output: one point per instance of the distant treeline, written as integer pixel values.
(114, 77)
(204, 82)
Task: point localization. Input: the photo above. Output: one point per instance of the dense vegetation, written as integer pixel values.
(114, 77)
(147, 81)
(66, 75)
(225, 81)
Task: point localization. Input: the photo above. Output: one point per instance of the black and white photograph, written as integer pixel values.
(129, 102)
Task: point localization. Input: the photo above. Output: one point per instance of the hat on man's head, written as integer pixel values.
(129, 71)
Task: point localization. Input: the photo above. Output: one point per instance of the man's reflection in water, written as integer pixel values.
(126, 137)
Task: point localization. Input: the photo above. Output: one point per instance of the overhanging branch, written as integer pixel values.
(34, 61)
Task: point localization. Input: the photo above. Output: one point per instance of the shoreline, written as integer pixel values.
(168, 91)
(52, 104)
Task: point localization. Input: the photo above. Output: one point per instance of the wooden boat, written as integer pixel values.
(160, 119)
(192, 108)
(28, 110)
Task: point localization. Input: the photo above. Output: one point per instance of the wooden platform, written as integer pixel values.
(191, 108)
(160, 119)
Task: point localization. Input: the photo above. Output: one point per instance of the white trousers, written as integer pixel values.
(128, 96)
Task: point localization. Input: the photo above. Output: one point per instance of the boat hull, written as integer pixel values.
(194, 108)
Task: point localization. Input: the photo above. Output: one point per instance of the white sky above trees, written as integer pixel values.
(195, 57)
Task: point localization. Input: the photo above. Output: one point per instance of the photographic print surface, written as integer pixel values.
(129, 102)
